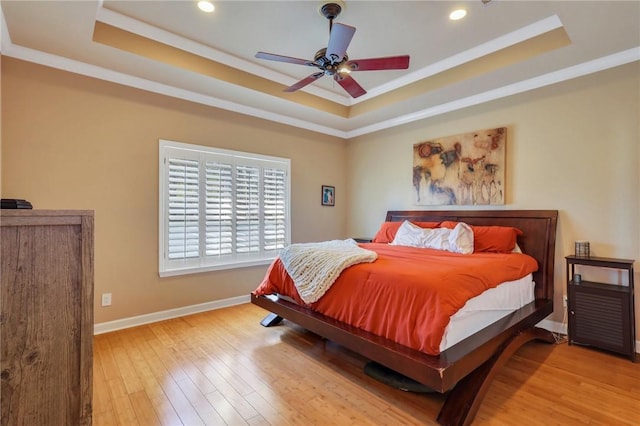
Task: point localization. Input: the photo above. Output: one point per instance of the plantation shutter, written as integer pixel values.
(184, 214)
(247, 209)
(274, 211)
(220, 208)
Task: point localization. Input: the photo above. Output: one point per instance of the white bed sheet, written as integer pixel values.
(488, 308)
(483, 310)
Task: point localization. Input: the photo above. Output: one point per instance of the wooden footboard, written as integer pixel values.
(464, 400)
(466, 369)
(440, 373)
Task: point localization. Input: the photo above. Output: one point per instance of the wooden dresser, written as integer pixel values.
(46, 317)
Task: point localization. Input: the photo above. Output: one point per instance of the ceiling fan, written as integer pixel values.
(333, 60)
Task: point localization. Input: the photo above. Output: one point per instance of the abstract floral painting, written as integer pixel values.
(466, 169)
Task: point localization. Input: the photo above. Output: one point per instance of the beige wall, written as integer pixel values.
(573, 147)
(72, 142)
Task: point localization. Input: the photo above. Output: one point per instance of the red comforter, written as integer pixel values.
(408, 294)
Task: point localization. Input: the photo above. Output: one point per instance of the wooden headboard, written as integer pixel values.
(538, 239)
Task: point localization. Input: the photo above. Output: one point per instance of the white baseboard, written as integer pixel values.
(105, 327)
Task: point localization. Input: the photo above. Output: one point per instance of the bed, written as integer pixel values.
(463, 371)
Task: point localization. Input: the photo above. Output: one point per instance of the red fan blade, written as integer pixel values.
(339, 40)
(373, 64)
(304, 82)
(280, 58)
(350, 85)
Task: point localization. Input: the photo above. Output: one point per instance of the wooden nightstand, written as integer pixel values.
(601, 315)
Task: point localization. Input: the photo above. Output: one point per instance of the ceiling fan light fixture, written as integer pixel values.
(206, 6)
(458, 14)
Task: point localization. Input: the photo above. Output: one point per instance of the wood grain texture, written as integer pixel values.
(443, 371)
(224, 361)
(46, 317)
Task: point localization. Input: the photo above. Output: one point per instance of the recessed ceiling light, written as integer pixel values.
(206, 6)
(457, 14)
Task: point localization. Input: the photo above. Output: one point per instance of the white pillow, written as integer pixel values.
(456, 240)
(408, 235)
(461, 239)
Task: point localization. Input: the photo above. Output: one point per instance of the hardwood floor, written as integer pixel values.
(222, 367)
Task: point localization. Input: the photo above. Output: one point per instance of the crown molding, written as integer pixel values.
(54, 61)
(590, 67)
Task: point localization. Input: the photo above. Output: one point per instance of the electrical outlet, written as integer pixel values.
(106, 299)
(564, 301)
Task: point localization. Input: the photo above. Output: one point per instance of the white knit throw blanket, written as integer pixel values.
(315, 266)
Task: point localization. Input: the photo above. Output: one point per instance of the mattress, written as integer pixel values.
(487, 308)
(408, 295)
(483, 310)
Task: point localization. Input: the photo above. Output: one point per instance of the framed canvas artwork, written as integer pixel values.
(328, 195)
(466, 169)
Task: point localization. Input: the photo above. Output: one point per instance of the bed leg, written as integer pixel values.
(270, 320)
(463, 401)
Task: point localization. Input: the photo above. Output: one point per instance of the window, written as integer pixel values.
(220, 209)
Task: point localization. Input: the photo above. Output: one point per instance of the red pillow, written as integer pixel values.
(388, 230)
(495, 239)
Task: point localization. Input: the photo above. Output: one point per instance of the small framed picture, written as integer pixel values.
(328, 195)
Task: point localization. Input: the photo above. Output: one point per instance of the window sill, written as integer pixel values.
(211, 268)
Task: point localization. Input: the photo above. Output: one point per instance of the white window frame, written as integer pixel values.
(182, 151)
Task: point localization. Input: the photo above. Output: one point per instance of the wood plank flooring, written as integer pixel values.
(223, 368)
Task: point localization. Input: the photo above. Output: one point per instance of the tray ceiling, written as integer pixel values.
(498, 49)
